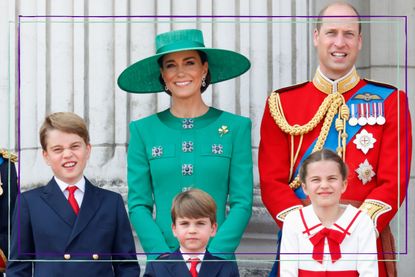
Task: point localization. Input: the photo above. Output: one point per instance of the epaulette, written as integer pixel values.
(380, 84)
(291, 87)
(8, 155)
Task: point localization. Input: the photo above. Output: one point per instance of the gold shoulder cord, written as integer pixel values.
(334, 103)
(7, 155)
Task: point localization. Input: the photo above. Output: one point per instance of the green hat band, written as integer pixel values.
(179, 45)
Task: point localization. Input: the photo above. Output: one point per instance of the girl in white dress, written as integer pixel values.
(327, 238)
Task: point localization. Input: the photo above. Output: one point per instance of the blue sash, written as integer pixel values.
(332, 137)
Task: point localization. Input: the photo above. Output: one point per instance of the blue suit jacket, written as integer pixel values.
(173, 265)
(46, 228)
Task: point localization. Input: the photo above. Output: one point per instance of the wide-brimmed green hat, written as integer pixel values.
(143, 76)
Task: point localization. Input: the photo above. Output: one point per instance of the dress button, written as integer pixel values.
(157, 151)
(95, 256)
(187, 146)
(187, 169)
(217, 149)
(187, 123)
(67, 256)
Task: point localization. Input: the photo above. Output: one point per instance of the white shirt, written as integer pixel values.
(358, 248)
(186, 258)
(79, 193)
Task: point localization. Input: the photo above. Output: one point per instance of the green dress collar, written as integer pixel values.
(194, 123)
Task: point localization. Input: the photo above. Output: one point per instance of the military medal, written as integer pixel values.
(380, 118)
(371, 120)
(362, 119)
(365, 172)
(353, 119)
(364, 141)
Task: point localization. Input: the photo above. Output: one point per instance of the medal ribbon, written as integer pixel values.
(332, 137)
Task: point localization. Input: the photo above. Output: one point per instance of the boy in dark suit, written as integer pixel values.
(193, 215)
(69, 218)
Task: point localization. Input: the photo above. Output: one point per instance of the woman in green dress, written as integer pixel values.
(189, 145)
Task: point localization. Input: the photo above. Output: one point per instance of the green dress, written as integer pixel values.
(168, 155)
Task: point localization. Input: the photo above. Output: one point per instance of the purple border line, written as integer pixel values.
(18, 133)
(209, 16)
(213, 17)
(407, 169)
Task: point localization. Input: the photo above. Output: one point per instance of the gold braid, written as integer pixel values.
(334, 103)
(277, 113)
(8, 155)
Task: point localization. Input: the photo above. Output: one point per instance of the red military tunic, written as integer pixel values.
(378, 178)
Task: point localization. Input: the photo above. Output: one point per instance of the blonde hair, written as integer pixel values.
(66, 122)
(193, 203)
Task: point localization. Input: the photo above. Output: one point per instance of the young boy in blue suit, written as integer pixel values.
(69, 218)
(193, 215)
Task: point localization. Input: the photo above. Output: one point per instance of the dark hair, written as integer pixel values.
(203, 58)
(193, 203)
(66, 122)
(323, 155)
(322, 11)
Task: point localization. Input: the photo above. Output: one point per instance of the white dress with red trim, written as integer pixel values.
(347, 248)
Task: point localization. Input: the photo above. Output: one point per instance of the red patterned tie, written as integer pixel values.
(334, 239)
(72, 200)
(193, 265)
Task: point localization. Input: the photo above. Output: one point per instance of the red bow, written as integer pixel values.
(334, 239)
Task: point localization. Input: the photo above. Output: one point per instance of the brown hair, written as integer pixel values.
(193, 203)
(323, 10)
(323, 155)
(66, 122)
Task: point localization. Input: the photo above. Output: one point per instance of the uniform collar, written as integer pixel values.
(345, 83)
(349, 217)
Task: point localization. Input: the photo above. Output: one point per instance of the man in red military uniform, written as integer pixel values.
(367, 123)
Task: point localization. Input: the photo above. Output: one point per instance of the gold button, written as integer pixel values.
(67, 256)
(95, 256)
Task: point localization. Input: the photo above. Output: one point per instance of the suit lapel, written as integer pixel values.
(209, 268)
(57, 201)
(89, 206)
(178, 268)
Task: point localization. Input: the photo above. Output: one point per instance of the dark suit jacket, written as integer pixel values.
(5, 210)
(46, 228)
(173, 265)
